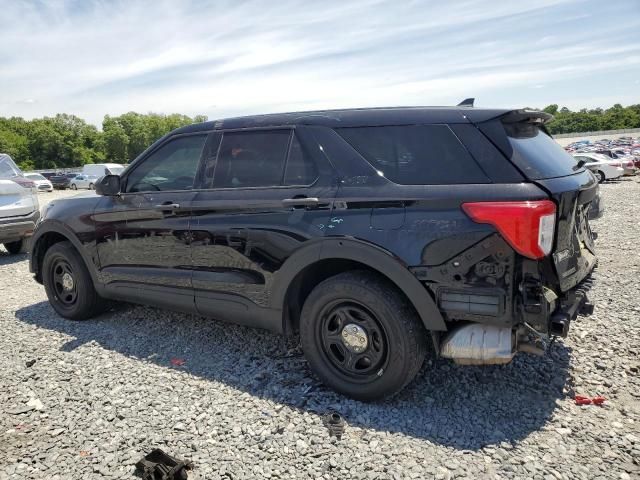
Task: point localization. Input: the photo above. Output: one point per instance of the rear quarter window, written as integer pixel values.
(415, 154)
(536, 154)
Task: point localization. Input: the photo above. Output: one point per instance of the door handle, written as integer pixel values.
(167, 206)
(300, 202)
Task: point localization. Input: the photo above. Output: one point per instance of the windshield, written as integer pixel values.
(537, 154)
(35, 176)
(8, 169)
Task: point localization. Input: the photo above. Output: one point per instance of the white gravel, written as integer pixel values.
(101, 393)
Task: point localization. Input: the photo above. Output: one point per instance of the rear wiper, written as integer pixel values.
(579, 165)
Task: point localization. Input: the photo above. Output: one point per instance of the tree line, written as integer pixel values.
(593, 120)
(67, 141)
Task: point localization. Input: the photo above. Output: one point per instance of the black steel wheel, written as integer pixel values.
(353, 340)
(600, 176)
(68, 284)
(361, 336)
(64, 282)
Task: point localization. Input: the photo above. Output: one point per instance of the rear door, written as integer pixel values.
(542, 160)
(264, 193)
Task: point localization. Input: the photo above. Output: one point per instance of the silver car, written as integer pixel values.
(19, 208)
(83, 181)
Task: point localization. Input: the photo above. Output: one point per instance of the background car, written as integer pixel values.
(83, 181)
(62, 181)
(602, 167)
(42, 184)
(19, 208)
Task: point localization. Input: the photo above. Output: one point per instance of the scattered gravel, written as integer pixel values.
(85, 400)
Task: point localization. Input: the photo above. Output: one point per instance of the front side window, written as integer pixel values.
(415, 154)
(251, 159)
(172, 167)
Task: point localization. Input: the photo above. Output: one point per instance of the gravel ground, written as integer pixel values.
(244, 405)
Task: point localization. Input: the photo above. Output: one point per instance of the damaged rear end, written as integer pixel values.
(519, 287)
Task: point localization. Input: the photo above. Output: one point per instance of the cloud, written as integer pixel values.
(224, 58)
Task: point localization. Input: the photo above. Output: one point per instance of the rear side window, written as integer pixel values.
(415, 154)
(251, 159)
(537, 154)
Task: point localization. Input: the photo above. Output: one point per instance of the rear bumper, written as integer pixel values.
(16, 228)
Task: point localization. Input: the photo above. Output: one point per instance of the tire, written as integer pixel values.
(78, 299)
(600, 176)
(395, 340)
(17, 247)
(91, 187)
(73, 186)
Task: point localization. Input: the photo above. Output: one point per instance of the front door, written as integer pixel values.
(264, 194)
(142, 235)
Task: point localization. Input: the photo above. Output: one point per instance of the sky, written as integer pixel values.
(228, 58)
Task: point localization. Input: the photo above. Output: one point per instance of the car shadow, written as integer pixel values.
(7, 258)
(446, 404)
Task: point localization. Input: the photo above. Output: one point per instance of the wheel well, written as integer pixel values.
(40, 248)
(305, 281)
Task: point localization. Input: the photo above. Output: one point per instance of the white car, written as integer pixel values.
(42, 184)
(83, 181)
(603, 167)
(19, 208)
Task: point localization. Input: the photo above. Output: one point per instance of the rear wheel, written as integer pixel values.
(68, 283)
(91, 187)
(600, 176)
(361, 337)
(73, 186)
(19, 246)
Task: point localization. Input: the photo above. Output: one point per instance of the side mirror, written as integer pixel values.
(109, 185)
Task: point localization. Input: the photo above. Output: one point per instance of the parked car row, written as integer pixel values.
(608, 159)
(47, 181)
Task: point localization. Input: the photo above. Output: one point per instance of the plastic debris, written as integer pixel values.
(158, 465)
(30, 363)
(177, 362)
(584, 400)
(335, 424)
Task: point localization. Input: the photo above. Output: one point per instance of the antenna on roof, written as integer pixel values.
(467, 102)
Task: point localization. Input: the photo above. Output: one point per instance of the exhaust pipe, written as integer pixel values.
(477, 344)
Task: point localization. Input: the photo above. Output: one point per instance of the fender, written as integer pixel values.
(348, 248)
(51, 225)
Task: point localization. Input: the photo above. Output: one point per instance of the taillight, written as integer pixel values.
(615, 164)
(23, 182)
(527, 226)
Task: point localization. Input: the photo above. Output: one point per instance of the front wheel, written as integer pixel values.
(600, 176)
(91, 187)
(68, 283)
(73, 186)
(361, 337)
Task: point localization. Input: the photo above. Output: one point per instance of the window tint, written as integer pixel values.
(300, 169)
(536, 153)
(172, 167)
(251, 159)
(415, 154)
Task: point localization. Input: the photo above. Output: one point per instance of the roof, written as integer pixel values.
(354, 117)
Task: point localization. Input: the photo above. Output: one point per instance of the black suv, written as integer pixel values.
(374, 233)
